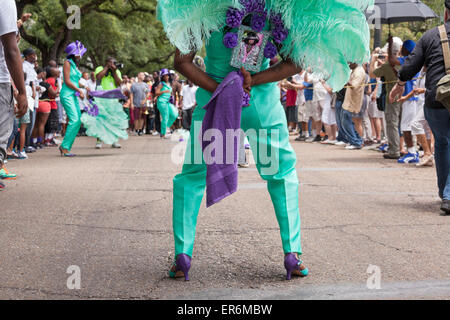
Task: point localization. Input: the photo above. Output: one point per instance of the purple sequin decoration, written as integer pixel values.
(270, 51)
(234, 18)
(257, 9)
(230, 40)
(279, 34)
(246, 100)
(276, 19)
(258, 23)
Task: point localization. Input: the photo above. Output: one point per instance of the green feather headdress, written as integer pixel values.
(323, 34)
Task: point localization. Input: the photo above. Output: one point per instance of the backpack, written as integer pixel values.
(443, 86)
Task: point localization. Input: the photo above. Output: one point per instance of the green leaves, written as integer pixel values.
(125, 29)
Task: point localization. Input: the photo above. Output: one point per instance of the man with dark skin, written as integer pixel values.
(13, 62)
(156, 81)
(110, 67)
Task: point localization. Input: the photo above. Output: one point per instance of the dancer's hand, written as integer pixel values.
(81, 95)
(248, 81)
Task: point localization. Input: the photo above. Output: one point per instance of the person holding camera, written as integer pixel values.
(109, 76)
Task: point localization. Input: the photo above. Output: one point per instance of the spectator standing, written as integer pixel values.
(329, 116)
(10, 67)
(320, 98)
(429, 53)
(51, 126)
(189, 103)
(139, 94)
(352, 104)
(156, 82)
(109, 76)
(392, 110)
(31, 78)
(298, 80)
(341, 138)
(291, 105)
(375, 114)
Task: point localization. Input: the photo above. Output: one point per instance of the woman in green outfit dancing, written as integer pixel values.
(168, 111)
(69, 99)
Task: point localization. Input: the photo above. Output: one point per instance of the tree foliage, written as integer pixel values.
(125, 29)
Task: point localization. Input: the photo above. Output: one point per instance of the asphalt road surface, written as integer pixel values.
(106, 216)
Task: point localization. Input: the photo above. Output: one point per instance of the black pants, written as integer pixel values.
(157, 120)
(187, 119)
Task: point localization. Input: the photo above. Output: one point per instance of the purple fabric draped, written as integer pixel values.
(223, 112)
(111, 94)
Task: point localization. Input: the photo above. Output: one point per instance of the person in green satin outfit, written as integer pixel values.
(69, 99)
(168, 111)
(191, 24)
(265, 112)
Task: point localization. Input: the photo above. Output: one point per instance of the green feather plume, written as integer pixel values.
(323, 34)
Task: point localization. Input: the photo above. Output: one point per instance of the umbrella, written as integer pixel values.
(395, 11)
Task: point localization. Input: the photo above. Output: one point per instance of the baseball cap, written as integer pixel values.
(409, 45)
(28, 52)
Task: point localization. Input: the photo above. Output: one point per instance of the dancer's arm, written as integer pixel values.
(184, 64)
(280, 71)
(70, 84)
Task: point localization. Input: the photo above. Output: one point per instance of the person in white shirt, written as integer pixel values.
(10, 67)
(420, 127)
(92, 82)
(303, 117)
(29, 67)
(320, 98)
(188, 102)
(329, 115)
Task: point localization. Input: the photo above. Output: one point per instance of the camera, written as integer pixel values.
(118, 65)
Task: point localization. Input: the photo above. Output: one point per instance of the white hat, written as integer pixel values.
(397, 44)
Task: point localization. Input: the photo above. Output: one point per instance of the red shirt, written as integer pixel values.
(291, 98)
(52, 82)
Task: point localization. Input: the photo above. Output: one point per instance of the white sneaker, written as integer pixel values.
(328, 141)
(426, 161)
(98, 146)
(340, 143)
(22, 155)
(155, 133)
(351, 147)
(116, 146)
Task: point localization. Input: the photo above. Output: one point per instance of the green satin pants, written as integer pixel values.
(189, 186)
(72, 108)
(168, 113)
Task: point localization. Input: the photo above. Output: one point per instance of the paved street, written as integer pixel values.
(109, 212)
